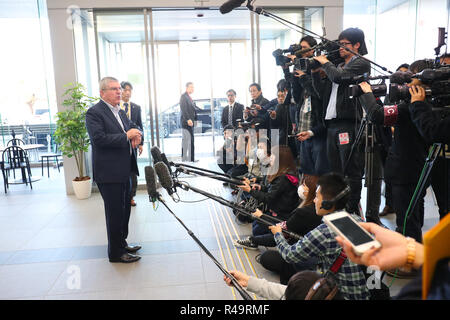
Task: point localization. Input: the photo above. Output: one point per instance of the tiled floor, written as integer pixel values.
(53, 246)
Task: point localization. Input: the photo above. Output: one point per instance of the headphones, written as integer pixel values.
(328, 204)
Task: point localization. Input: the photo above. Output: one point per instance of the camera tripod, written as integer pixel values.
(367, 129)
(423, 182)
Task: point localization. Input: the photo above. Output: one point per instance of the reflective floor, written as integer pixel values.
(53, 246)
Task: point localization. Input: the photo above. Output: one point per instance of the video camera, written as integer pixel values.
(282, 60)
(437, 81)
(328, 48)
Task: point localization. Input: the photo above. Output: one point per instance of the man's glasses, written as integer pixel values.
(344, 43)
(114, 89)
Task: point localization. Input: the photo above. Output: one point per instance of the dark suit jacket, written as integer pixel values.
(111, 159)
(238, 111)
(188, 110)
(136, 118)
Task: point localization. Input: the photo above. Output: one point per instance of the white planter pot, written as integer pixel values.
(82, 189)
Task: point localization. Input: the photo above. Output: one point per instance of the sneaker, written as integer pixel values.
(246, 243)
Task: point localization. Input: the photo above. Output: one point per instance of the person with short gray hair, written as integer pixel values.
(114, 139)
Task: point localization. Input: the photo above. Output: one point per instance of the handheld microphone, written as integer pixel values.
(230, 5)
(156, 154)
(150, 179)
(164, 177)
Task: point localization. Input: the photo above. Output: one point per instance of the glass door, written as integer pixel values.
(121, 49)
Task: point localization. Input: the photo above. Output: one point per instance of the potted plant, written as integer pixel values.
(71, 134)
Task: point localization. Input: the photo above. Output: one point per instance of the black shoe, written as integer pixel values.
(376, 220)
(387, 210)
(126, 258)
(131, 249)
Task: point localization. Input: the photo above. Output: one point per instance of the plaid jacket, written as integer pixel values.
(321, 243)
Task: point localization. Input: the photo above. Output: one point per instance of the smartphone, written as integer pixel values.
(347, 227)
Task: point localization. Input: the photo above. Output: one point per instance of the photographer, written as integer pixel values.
(406, 157)
(257, 111)
(433, 125)
(312, 133)
(341, 116)
(281, 118)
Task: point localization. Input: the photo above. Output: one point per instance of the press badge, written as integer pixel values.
(344, 138)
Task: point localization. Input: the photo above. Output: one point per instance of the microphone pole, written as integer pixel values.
(261, 11)
(190, 171)
(224, 202)
(177, 165)
(245, 295)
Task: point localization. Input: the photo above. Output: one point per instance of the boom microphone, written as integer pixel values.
(156, 154)
(401, 77)
(150, 179)
(164, 177)
(230, 5)
(166, 162)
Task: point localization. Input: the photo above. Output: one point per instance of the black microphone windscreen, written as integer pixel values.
(156, 154)
(401, 77)
(150, 178)
(230, 5)
(166, 162)
(164, 176)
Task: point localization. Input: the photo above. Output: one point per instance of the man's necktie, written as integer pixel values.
(230, 115)
(126, 109)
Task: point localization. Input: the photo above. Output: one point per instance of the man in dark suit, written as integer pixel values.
(237, 110)
(114, 139)
(188, 116)
(133, 112)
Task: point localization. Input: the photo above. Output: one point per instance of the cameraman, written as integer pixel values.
(406, 157)
(341, 116)
(434, 126)
(297, 91)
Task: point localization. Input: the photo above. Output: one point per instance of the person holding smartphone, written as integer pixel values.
(332, 195)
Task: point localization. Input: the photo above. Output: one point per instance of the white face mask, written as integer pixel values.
(301, 192)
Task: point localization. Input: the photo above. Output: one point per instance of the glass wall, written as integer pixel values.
(398, 31)
(275, 35)
(28, 104)
(160, 50)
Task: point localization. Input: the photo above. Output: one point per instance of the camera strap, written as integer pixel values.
(338, 262)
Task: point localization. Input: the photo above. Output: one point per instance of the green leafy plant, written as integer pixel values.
(71, 134)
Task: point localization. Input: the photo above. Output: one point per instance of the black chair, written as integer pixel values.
(15, 142)
(52, 155)
(5, 172)
(14, 157)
